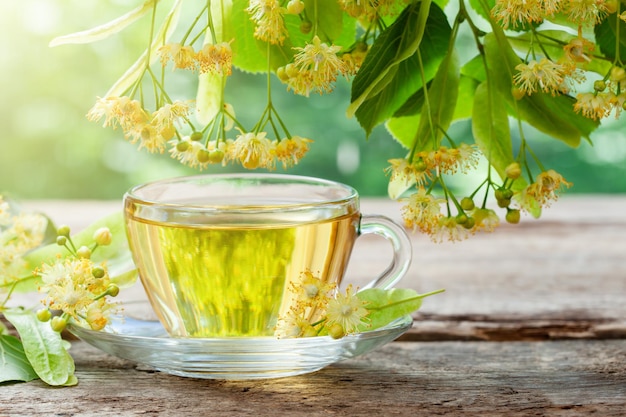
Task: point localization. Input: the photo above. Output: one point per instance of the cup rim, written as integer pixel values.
(351, 193)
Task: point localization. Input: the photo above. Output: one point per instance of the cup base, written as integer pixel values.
(147, 343)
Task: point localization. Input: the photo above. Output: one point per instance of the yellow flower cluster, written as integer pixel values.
(212, 58)
(560, 76)
(76, 286)
(20, 232)
(517, 13)
(150, 130)
(433, 216)
(320, 309)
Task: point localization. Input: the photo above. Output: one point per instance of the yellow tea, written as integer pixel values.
(231, 279)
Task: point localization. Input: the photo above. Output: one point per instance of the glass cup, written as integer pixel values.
(217, 254)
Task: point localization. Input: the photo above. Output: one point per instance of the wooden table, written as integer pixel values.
(533, 322)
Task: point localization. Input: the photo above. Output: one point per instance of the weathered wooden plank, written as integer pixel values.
(563, 378)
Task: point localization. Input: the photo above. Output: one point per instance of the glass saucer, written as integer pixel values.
(146, 342)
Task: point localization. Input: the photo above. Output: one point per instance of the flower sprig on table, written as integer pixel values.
(75, 275)
(321, 309)
(556, 65)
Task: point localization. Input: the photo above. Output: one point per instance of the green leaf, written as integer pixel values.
(43, 347)
(490, 127)
(606, 37)
(14, 365)
(403, 128)
(442, 99)
(117, 254)
(477, 5)
(464, 103)
(386, 306)
(107, 29)
(397, 43)
(404, 89)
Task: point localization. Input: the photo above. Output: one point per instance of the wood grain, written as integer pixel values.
(562, 378)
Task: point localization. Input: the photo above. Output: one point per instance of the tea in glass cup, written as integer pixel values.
(217, 254)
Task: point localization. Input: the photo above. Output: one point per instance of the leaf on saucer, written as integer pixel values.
(386, 306)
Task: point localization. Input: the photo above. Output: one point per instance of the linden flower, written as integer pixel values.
(369, 10)
(148, 137)
(545, 188)
(546, 75)
(183, 56)
(447, 228)
(312, 291)
(71, 287)
(169, 114)
(586, 12)
(347, 311)
(19, 234)
(122, 111)
(268, 17)
(593, 105)
(451, 160)
(422, 211)
(409, 172)
(215, 59)
(293, 324)
(317, 67)
(517, 12)
(485, 219)
(579, 50)
(291, 151)
(252, 150)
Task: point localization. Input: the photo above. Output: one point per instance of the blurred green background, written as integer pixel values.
(49, 150)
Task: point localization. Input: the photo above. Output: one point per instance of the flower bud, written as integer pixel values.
(182, 146)
(467, 203)
(512, 216)
(98, 272)
(504, 202)
(63, 231)
(513, 171)
(216, 156)
(336, 331)
(306, 26)
(103, 236)
(599, 85)
(295, 7)
(618, 74)
(281, 73)
(203, 156)
(44, 315)
(84, 252)
(469, 223)
(61, 240)
(196, 136)
(58, 324)
(113, 290)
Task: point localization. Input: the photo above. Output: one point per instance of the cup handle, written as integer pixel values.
(397, 236)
